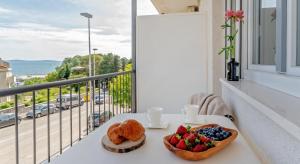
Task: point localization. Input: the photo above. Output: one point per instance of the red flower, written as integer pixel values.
(239, 15)
(229, 14)
(235, 15)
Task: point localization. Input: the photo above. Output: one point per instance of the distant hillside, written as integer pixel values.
(33, 67)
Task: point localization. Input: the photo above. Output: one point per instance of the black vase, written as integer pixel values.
(232, 74)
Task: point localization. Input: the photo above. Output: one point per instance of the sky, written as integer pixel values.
(54, 29)
(269, 3)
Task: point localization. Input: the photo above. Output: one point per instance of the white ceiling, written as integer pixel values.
(174, 6)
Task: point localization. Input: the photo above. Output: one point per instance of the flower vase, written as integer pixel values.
(232, 70)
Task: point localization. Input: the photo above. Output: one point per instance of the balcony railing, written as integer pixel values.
(104, 96)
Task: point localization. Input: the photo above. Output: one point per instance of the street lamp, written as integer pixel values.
(89, 16)
(95, 49)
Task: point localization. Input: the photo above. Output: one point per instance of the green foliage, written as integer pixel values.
(230, 50)
(51, 77)
(33, 81)
(6, 105)
(64, 72)
(120, 88)
(124, 62)
(27, 103)
(108, 63)
(40, 98)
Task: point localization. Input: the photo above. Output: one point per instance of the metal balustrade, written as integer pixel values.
(115, 89)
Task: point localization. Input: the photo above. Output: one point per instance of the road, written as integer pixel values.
(7, 135)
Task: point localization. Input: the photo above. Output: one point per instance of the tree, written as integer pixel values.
(52, 76)
(120, 88)
(64, 72)
(116, 63)
(67, 72)
(107, 63)
(124, 62)
(110, 63)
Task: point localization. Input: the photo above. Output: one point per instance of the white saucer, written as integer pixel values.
(195, 122)
(163, 125)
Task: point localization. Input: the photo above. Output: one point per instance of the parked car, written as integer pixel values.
(99, 100)
(99, 119)
(41, 110)
(8, 119)
(66, 101)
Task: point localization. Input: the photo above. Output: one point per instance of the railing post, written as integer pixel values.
(48, 125)
(133, 51)
(17, 128)
(34, 126)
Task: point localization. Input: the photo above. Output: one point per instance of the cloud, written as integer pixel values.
(5, 11)
(57, 43)
(29, 35)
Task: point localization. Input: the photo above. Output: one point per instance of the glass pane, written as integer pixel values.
(298, 35)
(265, 48)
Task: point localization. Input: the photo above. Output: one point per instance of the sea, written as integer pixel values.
(32, 67)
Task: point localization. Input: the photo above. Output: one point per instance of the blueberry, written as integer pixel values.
(219, 128)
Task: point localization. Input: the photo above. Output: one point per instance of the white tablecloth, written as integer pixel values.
(90, 151)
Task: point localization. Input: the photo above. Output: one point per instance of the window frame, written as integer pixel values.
(253, 28)
(293, 41)
(288, 81)
(253, 8)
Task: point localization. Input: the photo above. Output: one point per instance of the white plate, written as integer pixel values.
(163, 125)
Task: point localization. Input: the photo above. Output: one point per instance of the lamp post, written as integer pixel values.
(89, 16)
(95, 49)
(94, 65)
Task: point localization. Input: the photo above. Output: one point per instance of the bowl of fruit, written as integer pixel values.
(199, 142)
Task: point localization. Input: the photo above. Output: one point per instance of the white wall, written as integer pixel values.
(273, 138)
(216, 62)
(6, 81)
(172, 59)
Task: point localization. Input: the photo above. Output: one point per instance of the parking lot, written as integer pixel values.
(7, 135)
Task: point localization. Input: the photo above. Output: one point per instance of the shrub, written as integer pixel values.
(27, 104)
(6, 105)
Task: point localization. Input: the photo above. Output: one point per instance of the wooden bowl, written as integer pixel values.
(195, 156)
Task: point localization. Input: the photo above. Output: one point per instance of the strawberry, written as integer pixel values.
(181, 145)
(175, 139)
(191, 138)
(204, 139)
(199, 148)
(181, 130)
(186, 135)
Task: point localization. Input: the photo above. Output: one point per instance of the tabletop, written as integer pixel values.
(90, 150)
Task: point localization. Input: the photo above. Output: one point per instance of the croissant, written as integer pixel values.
(128, 130)
(113, 134)
(132, 130)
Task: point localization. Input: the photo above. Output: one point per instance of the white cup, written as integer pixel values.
(191, 112)
(154, 116)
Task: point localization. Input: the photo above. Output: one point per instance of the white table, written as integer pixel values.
(90, 150)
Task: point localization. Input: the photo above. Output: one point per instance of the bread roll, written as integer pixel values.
(131, 130)
(114, 134)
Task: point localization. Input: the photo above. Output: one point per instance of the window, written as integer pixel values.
(264, 32)
(298, 35)
(293, 39)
